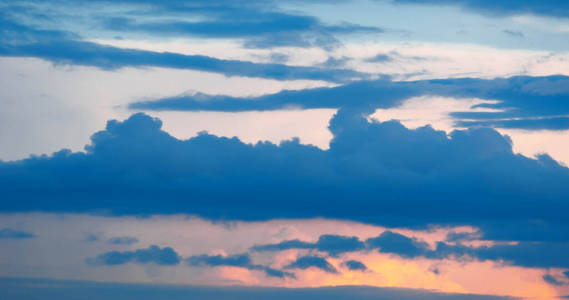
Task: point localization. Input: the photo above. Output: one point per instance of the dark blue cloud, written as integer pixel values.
(355, 265)
(305, 262)
(28, 289)
(161, 256)
(123, 240)
(372, 173)
(549, 8)
(552, 280)
(9, 233)
(61, 47)
(391, 242)
(526, 254)
(527, 102)
(238, 260)
(555, 123)
(332, 244)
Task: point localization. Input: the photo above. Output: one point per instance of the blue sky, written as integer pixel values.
(385, 148)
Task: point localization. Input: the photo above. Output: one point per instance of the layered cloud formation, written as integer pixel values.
(523, 102)
(22, 289)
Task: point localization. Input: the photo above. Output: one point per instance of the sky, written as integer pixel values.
(344, 149)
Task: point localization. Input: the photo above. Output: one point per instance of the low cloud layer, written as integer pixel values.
(23, 289)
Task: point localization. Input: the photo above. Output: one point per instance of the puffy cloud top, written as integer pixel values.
(380, 173)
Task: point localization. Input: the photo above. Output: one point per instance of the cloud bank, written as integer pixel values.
(25, 289)
(372, 173)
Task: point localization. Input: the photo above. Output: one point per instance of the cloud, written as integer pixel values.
(23, 289)
(61, 47)
(552, 280)
(259, 28)
(123, 240)
(238, 260)
(332, 244)
(555, 123)
(259, 24)
(525, 254)
(391, 242)
(548, 8)
(523, 102)
(372, 173)
(305, 262)
(154, 254)
(9, 233)
(355, 265)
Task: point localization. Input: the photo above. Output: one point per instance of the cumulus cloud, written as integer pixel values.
(333, 244)
(391, 242)
(10, 233)
(306, 262)
(525, 254)
(154, 254)
(237, 260)
(355, 265)
(372, 173)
